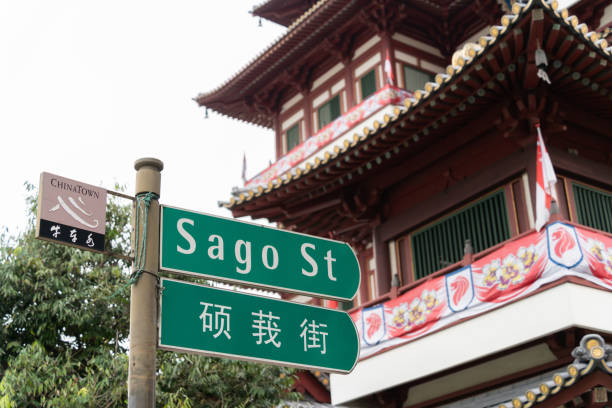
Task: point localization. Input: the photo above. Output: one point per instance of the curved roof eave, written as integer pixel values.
(443, 81)
(262, 59)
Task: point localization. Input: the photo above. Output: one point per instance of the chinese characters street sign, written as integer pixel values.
(221, 323)
(71, 212)
(203, 245)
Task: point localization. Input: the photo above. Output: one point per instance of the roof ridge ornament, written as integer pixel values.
(592, 353)
(592, 347)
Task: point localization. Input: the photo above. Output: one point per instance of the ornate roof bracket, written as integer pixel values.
(341, 46)
(554, 120)
(361, 206)
(384, 16)
(266, 103)
(533, 108)
(487, 12)
(299, 78)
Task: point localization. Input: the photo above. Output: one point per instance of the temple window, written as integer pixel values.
(329, 111)
(368, 84)
(485, 221)
(593, 206)
(292, 137)
(415, 79)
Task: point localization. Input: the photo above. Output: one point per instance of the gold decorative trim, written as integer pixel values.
(466, 59)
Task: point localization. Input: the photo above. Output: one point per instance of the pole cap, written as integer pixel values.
(149, 162)
(148, 175)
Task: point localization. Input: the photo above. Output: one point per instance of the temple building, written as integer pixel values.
(408, 129)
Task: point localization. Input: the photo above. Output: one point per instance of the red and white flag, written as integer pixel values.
(389, 69)
(545, 184)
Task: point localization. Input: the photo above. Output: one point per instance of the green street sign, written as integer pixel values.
(203, 245)
(222, 323)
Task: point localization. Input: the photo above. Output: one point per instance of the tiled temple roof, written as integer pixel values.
(320, 17)
(445, 86)
(592, 354)
(290, 10)
(253, 92)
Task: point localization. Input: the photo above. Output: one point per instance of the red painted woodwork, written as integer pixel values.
(473, 134)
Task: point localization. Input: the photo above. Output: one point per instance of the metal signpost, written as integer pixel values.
(204, 320)
(219, 248)
(223, 323)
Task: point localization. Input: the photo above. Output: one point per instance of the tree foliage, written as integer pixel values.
(64, 319)
(213, 382)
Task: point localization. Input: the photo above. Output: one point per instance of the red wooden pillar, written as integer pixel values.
(387, 51)
(308, 125)
(350, 84)
(279, 136)
(381, 257)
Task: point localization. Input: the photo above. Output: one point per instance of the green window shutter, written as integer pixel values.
(415, 79)
(593, 207)
(368, 84)
(329, 111)
(293, 137)
(484, 222)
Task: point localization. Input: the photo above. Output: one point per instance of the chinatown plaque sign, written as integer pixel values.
(222, 323)
(234, 251)
(71, 212)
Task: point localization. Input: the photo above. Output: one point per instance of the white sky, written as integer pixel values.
(87, 87)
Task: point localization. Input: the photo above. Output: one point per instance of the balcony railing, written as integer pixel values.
(507, 272)
(334, 131)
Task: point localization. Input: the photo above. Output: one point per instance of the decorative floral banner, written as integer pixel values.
(512, 272)
(389, 95)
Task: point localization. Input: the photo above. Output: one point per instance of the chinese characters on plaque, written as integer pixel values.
(71, 212)
(233, 324)
(265, 327)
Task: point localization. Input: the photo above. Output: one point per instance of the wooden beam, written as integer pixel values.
(574, 114)
(505, 52)
(551, 40)
(268, 212)
(559, 74)
(480, 70)
(492, 61)
(459, 137)
(596, 68)
(351, 227)
(604, 76)
(565, 46)
(536, 35)
(519, 41)
(574, 54)
(296, 212)
(322, 225)
(585, 61)
(495, 174)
